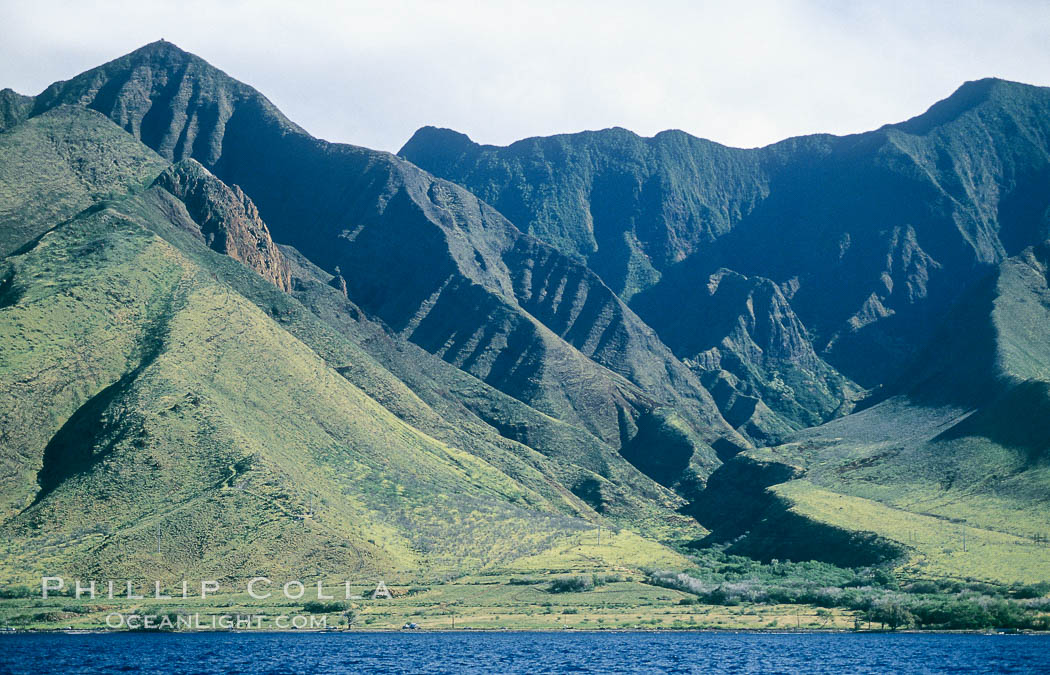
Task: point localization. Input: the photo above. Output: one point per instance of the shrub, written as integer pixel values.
(923, 587)
(17, 592)
(318, 607)
(881, 577)
(890, 612)
(78, 609)
(1031, 591)
(575, 584)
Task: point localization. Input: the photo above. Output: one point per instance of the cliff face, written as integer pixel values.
(226, 220)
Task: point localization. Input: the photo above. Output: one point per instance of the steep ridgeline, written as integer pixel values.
(424, 256)
(754, 355)
(871, 237)
(632, 208)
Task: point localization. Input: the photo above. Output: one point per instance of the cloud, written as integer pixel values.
(744, 74)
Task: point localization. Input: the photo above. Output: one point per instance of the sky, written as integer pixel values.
(741, 73)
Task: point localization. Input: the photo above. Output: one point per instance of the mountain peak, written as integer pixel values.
(172, 100)
(159, 45)
(440, 137)
(443, 145)
(158, 52)
(966, 97)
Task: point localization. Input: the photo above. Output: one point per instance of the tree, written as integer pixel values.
(891, 612)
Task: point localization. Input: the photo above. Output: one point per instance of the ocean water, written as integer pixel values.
(500, 652)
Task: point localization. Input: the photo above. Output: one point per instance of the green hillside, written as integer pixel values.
(61, 162)
(471, 288)
(167, 410)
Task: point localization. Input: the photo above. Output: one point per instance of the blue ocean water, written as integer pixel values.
(567, 652)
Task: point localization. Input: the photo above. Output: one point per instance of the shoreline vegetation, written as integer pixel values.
(722, 593)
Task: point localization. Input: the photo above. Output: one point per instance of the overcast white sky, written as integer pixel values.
(741, 73)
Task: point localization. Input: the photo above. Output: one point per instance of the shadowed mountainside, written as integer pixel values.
(871, 237)
(959, 445)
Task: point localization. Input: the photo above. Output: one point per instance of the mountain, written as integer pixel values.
(870, 237)
(168, 409)
(470, 287)
(229, 348)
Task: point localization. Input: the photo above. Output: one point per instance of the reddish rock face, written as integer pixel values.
(228, 220)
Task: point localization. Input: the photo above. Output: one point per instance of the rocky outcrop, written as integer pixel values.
(226, 220)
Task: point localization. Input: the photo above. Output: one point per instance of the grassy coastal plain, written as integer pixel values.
(476, 603)
(718, 591)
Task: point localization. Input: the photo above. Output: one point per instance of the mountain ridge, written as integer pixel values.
(655, 217)
(486, 355)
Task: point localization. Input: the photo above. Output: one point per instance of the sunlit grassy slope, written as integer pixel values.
(938, 547)
(60, 162)
(167, 412)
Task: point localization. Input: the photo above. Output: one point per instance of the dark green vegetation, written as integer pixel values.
(228, 348)
(873, 595)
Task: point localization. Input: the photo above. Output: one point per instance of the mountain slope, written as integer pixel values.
(223, 425)
(59, 163)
